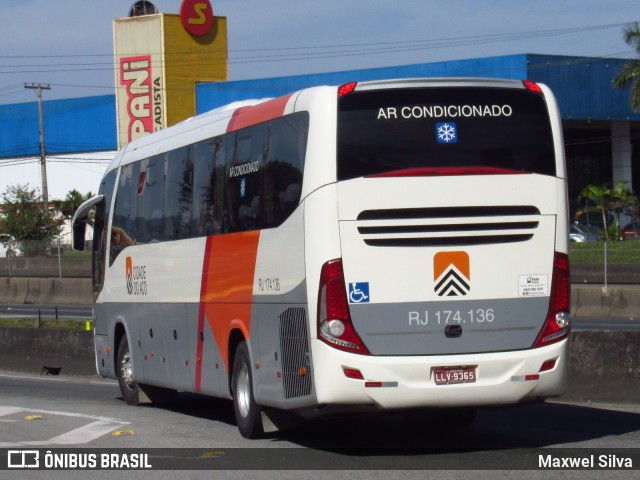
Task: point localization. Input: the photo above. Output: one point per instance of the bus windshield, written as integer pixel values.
(381, 131)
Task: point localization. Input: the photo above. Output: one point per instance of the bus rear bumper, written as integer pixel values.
(500, 378)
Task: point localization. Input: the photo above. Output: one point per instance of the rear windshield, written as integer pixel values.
(395, 129)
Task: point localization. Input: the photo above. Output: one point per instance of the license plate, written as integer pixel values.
(450, 375)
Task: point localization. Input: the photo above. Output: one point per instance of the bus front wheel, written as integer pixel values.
(128, 386)
(247, 411)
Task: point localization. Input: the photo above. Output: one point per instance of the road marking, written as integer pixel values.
(98, 427)
(4, 411)
(34, 417)
(84, 434)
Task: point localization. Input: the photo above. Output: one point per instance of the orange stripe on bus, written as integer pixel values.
(227, 290)
(201, 313)
(247, 116)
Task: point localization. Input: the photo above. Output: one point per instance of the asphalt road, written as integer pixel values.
(59, 412)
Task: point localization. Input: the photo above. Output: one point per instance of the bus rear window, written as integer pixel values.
(389, 130)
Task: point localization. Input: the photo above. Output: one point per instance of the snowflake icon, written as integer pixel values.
(447, 132)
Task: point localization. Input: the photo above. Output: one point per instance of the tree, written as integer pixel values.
(70, 204)
(629, 74)
(24, 222)
(605, 198)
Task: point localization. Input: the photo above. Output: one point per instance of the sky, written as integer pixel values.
(68, 44)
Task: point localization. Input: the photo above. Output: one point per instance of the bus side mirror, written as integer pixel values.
(79, 222)
(79, 232)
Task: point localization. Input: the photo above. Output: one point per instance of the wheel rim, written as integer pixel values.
(243, 394)
(126, 370)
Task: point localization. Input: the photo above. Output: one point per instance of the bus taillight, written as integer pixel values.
(334, 320)
(558, 323)
(533, 86)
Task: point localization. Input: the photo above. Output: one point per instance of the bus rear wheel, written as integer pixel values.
(247, 412)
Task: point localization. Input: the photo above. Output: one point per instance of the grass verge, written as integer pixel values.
(593, 252)
(44, 323)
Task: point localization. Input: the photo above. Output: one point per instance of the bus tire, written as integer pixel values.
(247, 412)
(128, 386)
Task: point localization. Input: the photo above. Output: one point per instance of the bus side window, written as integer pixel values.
(282, 178)
(243, 179)
(100, 231)
(123, 232)
(178, 191)
(203, 188)
(222, 151)
(148, 224)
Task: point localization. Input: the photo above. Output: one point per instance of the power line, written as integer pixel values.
(435, 41)
(313, 52)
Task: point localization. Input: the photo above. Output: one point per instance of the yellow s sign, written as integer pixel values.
(196, 16)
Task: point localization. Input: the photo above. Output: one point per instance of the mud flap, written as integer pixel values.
(268, 426)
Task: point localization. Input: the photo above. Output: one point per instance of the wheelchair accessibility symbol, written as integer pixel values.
(359, 292)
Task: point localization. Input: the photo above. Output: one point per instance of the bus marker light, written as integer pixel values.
(353, 373)
(346, 88)
(548, 365)
(533, 86)
(380, 384)
(302, 371)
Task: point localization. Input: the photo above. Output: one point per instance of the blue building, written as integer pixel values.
(601, 131)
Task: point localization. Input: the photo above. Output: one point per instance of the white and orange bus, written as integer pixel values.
(390, 245)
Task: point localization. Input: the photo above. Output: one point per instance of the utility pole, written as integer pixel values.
(43, 160)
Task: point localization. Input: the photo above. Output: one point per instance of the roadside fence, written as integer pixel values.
(45, 259)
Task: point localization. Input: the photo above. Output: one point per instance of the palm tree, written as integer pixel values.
(70, 204)
(599, 195)
(614, 197)
(629, 74)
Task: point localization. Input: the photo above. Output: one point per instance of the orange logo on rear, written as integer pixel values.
(451, 274)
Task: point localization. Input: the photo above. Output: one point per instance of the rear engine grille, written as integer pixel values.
(448, 226)
(294, 348)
